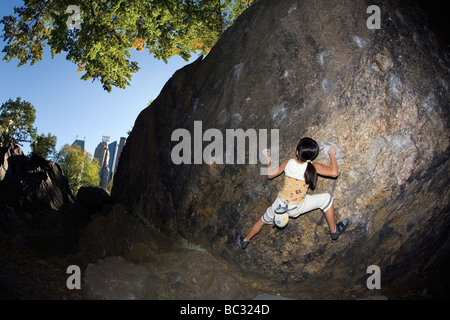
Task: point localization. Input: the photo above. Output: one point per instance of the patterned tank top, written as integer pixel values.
(294, 190)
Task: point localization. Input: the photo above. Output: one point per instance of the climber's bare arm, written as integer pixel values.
(275, 172)
(332, 169)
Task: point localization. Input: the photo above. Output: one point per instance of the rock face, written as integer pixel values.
(37, 206)
(128, 260)
(31, 184)
(93, 198)
(192, 275)
(309, 68)
(124, 280)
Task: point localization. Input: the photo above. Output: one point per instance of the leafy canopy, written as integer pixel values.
(44, 145)
(16, 126)
(78, 166)
(16, 121)
(109, 29)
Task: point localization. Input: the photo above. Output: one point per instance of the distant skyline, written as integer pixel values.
(67, 106)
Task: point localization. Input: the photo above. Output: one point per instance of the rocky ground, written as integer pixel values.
(179, 274)
(25, 275)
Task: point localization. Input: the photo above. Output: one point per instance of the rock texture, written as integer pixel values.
(115, 279)
(37, 206)
(310, 68)
(127, 260)
(31, 184)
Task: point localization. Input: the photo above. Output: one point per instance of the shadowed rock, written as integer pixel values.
(30, 184)
(37, 206)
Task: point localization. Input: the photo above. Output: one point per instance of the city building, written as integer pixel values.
(80, 143)
(102, 155)
(108, 156)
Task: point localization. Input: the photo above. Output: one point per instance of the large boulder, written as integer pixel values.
(191, 275)
(309, 68)
(93, 198)
(126, 259)
(31, 184)
(37, 206)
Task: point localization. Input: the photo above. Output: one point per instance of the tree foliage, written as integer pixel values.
(44, 145)
(16, 125)
(110, 29)
(78, 166)
(16, 121)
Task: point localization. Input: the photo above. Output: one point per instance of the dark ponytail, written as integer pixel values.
(307, 151)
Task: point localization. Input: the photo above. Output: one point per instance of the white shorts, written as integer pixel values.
(321, 201)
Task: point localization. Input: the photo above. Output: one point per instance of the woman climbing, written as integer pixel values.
(301, 174)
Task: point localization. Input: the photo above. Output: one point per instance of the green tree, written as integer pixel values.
(78, 166)
(16, 122)
(44, 145)
(100, 45)
(16, 126)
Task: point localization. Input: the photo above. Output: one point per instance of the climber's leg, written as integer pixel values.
(255, 230)
(329, 215)
(243, 242)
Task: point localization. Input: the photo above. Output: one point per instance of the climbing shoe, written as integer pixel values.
(243, 244)
(340, 228)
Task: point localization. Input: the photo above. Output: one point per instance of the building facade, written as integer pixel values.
(102, 155)
(108, 156)
(80, 143)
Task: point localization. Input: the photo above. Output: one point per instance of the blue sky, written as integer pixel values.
(67, 106)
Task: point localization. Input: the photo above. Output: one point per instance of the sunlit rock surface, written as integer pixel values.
(309, 68)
